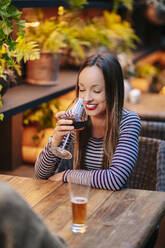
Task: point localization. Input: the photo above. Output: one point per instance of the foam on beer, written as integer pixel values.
(79, 200)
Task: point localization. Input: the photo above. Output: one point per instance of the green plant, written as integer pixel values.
(42, 116)
(116, 34)
(127, 3)
(78, 35)
(154, 73)
(56, 33)
(146, 70)
(13, 50)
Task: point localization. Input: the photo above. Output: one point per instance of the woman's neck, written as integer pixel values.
(98, 127)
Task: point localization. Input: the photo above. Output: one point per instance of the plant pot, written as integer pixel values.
(43, 71)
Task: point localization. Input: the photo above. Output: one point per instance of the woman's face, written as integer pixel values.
(92, 90)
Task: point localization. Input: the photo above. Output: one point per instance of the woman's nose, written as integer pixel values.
(87, 97)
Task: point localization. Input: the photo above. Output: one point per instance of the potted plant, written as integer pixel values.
(52, 36)
(75, 37)
(104, 33)
(13, 49)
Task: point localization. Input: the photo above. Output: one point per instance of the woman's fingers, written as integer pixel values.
(60, 114)
(64, 122)
(63, 127)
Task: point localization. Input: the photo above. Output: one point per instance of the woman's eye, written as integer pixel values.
(97, 91)
(81, 90)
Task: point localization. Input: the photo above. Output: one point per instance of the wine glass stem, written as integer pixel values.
(66, 140)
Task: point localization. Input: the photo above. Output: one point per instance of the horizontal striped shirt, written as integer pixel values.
(120, 168)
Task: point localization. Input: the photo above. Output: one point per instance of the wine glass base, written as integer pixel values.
(78, 228)
(62, 153)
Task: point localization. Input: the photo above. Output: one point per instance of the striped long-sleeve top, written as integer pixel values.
(120, 168)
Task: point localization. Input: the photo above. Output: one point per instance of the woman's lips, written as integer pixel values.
(90, 106)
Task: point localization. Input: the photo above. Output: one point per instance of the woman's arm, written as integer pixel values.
(46, 163)
(123, 161)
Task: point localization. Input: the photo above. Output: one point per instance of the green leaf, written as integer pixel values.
(27, 50)
(14, 13)
(78, 4)
(4, 4)
(6, 26)
(11, 45)
(1, 117)
(21, 24)
(127, 3)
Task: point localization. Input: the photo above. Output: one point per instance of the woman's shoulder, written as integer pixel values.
(128, 115)
(130, 120)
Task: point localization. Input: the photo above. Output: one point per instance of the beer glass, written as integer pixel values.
(75, 112)
(79, 199)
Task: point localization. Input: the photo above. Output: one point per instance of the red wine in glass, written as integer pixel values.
(77, 123)
(77, 113)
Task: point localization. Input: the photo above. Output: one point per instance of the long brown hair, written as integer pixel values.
(114, 90)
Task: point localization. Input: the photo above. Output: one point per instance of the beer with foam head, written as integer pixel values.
(79, 209)
(79, 194)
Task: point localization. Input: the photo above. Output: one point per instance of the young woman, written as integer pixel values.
(106, 150)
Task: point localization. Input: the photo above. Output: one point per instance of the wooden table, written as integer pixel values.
(122, 219)
(150, 107)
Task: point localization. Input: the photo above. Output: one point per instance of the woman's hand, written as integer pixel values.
(57, 177)
(63, 127)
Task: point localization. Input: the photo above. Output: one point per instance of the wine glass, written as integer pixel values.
(75, 112)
